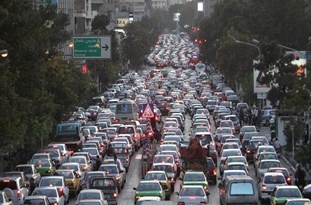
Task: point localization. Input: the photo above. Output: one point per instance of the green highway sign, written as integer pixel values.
(92, 47)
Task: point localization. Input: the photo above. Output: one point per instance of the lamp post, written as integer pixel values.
(4, 53)
(261, 100)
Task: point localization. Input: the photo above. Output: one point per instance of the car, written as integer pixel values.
(168, 168)
(303, 201)
(162, 177)
(230, 173)
(5, 199)
(56, 156)
(281, 193)
(192, 194)
(75, 166)
(16, 185)
(266, 116)
(247, 128)
(72, 180)
(55, 195)
(236, 159)
(267, 184)
(265, 155)
(194, 178)
(85, 166)
(44, 166)
(30, 171)
(112, 170)
(264, 148)
(264, 165)
(238, 188)
(85, 181)
(237, 166)
(152, 199)
(42, 200)
(149, 188)
(25, 181)
(87, 194)
(108, 186)
(58, 181)
(284, 171)
(226, 153)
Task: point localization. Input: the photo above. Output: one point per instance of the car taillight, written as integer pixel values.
(214, 172)
(181, 203)
(263, 186)
(115, 195)
(116, 120)
(248, 151)
(18, 193)
(288, 179)
(202, 202)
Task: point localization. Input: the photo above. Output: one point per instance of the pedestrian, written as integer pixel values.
(300, 175)
(98, 162)
(241, 116)
(277, 145)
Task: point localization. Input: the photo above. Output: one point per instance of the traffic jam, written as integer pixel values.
(172, 134)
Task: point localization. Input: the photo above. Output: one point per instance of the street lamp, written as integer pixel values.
(249, 44)
(4, 53)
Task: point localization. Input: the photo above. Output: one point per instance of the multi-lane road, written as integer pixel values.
(126, 197)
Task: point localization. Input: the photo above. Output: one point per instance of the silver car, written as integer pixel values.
(269, 181)
(191, 195)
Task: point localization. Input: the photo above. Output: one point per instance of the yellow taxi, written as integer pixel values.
(72, 179)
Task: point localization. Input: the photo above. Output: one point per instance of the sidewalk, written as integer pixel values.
(292, 164)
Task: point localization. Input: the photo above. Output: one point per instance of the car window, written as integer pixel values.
(239, 188)
(274, 180)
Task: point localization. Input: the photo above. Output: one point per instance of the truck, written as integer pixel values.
(196, 157)
(70, 134)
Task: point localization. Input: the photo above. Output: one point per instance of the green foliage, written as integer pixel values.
(100, 22)
(36, 85)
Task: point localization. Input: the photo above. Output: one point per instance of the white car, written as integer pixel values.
(268, 183)
(94, 194)
(57, 181)
(53, 193)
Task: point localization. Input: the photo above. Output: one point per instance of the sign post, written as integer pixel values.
(92, 47)
(148, 111)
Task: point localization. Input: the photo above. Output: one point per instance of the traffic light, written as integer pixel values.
(84, 68)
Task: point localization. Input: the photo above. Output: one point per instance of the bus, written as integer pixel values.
(126, 110)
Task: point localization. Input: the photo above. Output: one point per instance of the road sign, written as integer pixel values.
(92, 47)
(148, 111)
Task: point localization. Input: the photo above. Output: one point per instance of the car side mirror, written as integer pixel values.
(134, 188)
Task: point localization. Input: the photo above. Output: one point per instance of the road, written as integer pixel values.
(126, 197)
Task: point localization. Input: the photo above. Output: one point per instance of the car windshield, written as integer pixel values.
(41, 163)
(288, 193)
(26, 169)
(149, 187)
(51, 182)
(109, 169)
(88, 195)
(266, 165)
(152, 176)
(191, 191)
(66, 174)
(166, 168)
(163, 159)
(74, 167)
(103, 183)
(46, 192)
(274, 180)
(194, 177)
